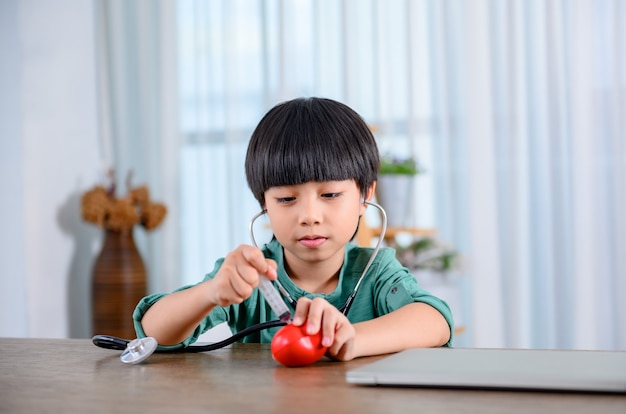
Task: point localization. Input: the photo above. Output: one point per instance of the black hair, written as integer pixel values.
(310, 139)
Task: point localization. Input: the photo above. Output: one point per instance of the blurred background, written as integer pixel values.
(515, 111)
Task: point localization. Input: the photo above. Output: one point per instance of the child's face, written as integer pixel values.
(315, 220)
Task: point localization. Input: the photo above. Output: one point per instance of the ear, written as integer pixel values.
(371, 191)
(368, 196)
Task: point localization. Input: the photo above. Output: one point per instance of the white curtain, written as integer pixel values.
(139, 118)
(515, 110)
(530, 107)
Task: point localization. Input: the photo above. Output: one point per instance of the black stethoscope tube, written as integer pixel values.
(112, 342)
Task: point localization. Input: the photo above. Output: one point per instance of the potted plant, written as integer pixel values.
(394, 190)
(398, 166)
(428, 253)
(436, 267)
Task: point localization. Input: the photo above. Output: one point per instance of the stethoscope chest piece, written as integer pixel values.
(138, 350)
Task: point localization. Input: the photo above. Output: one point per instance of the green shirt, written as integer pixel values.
(387, 286)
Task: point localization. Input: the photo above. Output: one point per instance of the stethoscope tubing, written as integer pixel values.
(120, 344)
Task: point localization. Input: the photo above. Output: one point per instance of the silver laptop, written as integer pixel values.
(525, 369)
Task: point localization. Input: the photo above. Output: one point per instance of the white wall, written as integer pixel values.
(12, 292)
(49, 153)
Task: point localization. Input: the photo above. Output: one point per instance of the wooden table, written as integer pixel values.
(74, 376)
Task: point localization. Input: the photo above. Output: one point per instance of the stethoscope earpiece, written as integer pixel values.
(138, 350)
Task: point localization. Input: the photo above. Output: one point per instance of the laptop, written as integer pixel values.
(519, 369)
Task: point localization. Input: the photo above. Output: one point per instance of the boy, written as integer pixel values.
(311, 164)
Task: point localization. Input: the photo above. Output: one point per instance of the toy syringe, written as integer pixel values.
(272, 297)
(269, 292)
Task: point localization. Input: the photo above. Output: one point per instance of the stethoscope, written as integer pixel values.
(140, 349)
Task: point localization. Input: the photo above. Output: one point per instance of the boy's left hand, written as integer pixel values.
(338, 334)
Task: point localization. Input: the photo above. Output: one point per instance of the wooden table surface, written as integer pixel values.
(74, 376)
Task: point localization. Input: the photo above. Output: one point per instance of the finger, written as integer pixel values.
(301, 312)
(255, 258)
(272, 269)
(338, 351)
(343, 343)
(247, 273)
(315, 314)
(330, 325)
(242, 287)
(226, 289)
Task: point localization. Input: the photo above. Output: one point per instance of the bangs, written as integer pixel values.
(309, 156)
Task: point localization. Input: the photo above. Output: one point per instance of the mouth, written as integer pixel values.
(312, 241)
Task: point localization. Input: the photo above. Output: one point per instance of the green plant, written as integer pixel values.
(399, 166)
(428, 253)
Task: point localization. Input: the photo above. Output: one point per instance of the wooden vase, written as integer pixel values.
(118, 284)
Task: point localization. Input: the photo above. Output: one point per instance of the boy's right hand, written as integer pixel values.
(239, 275)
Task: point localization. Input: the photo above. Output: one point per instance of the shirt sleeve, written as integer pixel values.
(396, 287)
(217, 315)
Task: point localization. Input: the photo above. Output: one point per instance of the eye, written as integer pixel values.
(331, 195)
(284, 200)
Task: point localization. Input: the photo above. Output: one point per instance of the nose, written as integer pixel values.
(310, 213)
